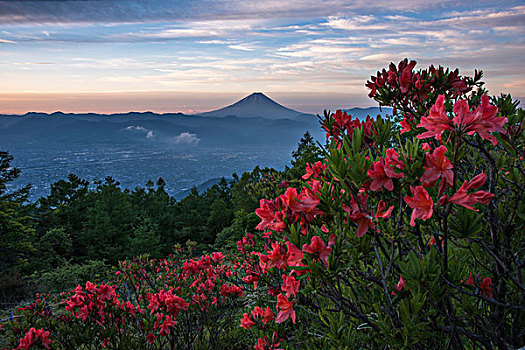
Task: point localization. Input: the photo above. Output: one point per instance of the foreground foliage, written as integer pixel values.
(406, 235)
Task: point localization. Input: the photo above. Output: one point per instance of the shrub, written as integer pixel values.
(409, 238)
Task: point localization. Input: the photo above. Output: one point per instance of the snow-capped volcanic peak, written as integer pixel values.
(256, 105)
(256, 98)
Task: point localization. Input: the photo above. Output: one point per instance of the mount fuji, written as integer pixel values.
(256, 105)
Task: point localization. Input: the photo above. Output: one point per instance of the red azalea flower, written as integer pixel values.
(247, 321)
(381, 213)
(470, 280)
(362, 219)
(426, 147)
(151, 338)
(467, 200)
(295, 255)
(405, 123)
(486, 287)
(32, 337)
(290, 285)
(278, 257)
(165, 326)
(437, 120)
(392, 161)
(399, 286)
(437, 165)
(286, 309)
(481, 120)
(270, 214)
(264, 344)
(421, 203)
(91, 287)
(257, 312)
(382, 172)
(314, 170)
(318, 247)
(268, 315)
(379, 177)
(106, 292)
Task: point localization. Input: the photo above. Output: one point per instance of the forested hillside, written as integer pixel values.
(80, 230)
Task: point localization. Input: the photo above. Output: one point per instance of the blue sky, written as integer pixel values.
(196, 55)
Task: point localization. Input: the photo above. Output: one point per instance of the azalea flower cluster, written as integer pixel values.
(481, 120)
(340, 123)
(35, 338)
(415, 85)
(435, 186)
(289, 208)
(146, 300)
(485, 284)
(99, 305)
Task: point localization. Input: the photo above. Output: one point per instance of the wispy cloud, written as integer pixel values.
(329, 46)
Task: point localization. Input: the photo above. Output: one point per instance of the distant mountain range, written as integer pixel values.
(256, 105)
(134, 147)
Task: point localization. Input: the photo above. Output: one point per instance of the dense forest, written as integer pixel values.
(82, 229)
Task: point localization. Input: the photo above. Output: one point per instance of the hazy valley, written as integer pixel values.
(185, 150)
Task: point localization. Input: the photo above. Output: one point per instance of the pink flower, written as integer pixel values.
(436, 166)
(400, 285)
(106, 292)
(421, 203)
(268, 315)
(278, 257)
(271, 215)
(481, 120)
(247, 321)
(381, 213)
(290, 285)
(314, 170)
(467, 200)
(151, 338)
(382, 172)
(362, 219)
(318, 247)
(295, 255)
(166, 325)
(379, 177)
(32, 337)
(437, 121)
(407, 126)
(286, 309)
(264, 344)
(470, 280)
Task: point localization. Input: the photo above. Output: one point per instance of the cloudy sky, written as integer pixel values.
(197, 55)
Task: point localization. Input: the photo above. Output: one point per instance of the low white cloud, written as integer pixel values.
(136, 127)
(187, 139)
(149, 133)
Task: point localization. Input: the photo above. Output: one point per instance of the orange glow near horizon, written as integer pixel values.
(165, 102)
